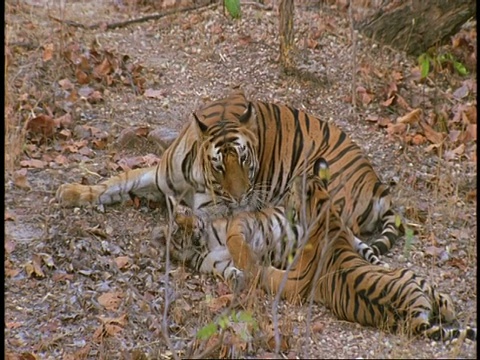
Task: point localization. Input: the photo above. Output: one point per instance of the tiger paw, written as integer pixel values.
(185, 222)
(78, 195)
(236, 279)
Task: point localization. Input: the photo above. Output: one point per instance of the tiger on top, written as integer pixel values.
(237, 155)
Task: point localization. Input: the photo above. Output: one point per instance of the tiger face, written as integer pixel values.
(230, 161)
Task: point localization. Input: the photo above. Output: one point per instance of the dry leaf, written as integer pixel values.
(461, 92)
(472, 195)
(13, 324)
(111, 300)
(284, 345)
(61, 276)
(458, 263)
(122, 262)
(95, 97)
(82, 77)
(389, 101)
(142, 131)
(85, 91)
(311, 43)
(110, 327)
(34, 268)
(216, 304)
(8, 216)
(411, 118)
(470, 113)
(453, 154)
(48, 52)
(418, 139)
(384, 122)
(41, 125)
(318, 326)
(429, 148)
(453, 135)
(472, 132)
(61, 159)
(20, 179)
(11, 272)
(63, 121)
(437, 253)
(33, 163)
(47, 259)
(433, 136)
(103, 69)
(402, 103)
(397, 75)
(65, 134)
(99, 144)
(66, 84)
(9, 245)
(396, 128)
(156, 94)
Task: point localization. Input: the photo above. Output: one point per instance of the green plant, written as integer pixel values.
(240, 323)
(439, 61)
(409, 239)
(233, 8)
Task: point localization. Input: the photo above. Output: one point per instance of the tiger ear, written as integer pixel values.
(200, 125)
(248, 114)
(322, 170)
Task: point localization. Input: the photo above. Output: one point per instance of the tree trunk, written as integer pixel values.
(286, 10)
(415, 26)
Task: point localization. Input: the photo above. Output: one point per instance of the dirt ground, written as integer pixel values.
(84, 104)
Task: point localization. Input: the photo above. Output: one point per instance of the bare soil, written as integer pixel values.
(84, 283)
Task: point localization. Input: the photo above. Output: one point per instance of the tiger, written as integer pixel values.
(330, 271)
(238, 155)
(231, 246)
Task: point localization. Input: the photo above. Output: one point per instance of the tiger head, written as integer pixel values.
(229, 156)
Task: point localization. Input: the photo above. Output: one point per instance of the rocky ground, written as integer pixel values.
(84, 104)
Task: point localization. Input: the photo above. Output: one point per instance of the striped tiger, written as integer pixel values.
(269, 236)
(330, 269)
(238, 155)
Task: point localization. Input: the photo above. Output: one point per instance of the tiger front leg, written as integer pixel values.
(244, 258)
(139, 182)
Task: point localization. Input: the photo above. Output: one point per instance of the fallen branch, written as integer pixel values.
(120, 24)
(257, 5)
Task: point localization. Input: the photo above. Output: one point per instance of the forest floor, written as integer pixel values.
(83, 104)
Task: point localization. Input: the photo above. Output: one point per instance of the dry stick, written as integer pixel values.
(164, 325)
(296, 258)
(132, 21)
(257, 5)
(354, 55)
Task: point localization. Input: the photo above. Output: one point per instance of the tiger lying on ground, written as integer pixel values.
(236, 155)
(330, 269)
(227, 246)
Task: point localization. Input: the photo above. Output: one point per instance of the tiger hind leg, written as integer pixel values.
(140, 182)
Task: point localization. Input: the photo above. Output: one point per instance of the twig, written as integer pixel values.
(119, 24)
(354, 56)
(258, 5)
